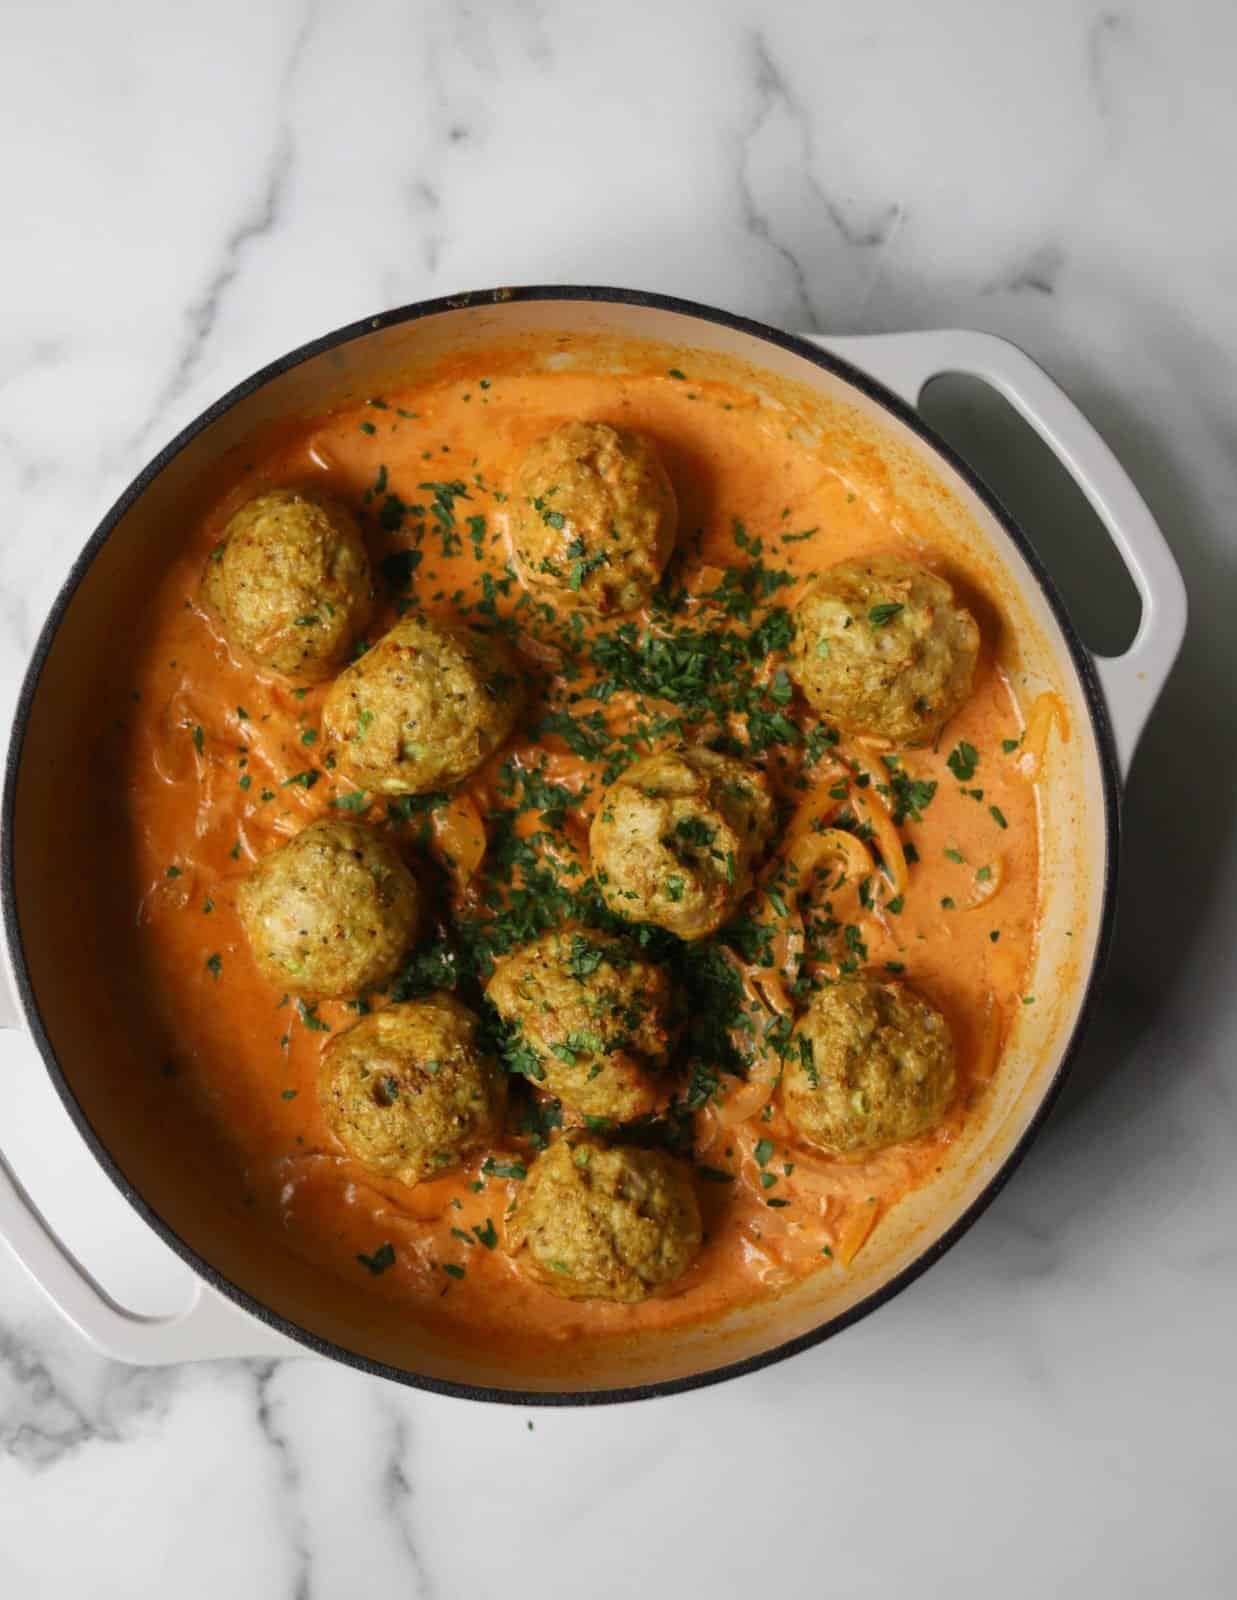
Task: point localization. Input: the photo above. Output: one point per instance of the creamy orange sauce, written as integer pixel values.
(203, 806)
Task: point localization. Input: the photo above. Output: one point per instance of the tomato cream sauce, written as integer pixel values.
(217, 777)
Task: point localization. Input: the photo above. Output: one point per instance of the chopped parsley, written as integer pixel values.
(382, 1258)
(962, 761)
(584, 957)
(504, 1169)
(399, 566)
(882, 615)
(309, 1016)
(911, 796)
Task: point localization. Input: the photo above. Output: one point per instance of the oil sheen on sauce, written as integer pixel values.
(217, 777)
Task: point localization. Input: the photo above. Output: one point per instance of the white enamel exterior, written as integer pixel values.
(211, 1325)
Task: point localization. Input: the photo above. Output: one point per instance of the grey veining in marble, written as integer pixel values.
(192, 191)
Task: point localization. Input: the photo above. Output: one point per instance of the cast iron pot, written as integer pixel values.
(250, 1297)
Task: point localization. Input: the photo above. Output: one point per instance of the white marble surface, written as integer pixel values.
(191, 191)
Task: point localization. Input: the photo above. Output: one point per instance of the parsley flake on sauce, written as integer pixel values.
(962, 761)
(309, 1016)
(382, 1258)
(504, 1169)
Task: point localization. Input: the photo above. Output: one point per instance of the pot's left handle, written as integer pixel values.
(210, 1326)
(10, 1011)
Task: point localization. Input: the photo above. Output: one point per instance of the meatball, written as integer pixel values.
(869, 1064)
(605, 1222)
(424, 708)
(881, 647)
(592, 1019)
(409, 1092)
(290, 582)
(331, 912)
(675, 837)
(593, 517)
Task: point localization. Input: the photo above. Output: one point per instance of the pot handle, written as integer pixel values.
(905, 362)
(10, 1010)
(211, 1326)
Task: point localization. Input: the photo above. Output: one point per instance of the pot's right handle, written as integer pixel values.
(905, 362)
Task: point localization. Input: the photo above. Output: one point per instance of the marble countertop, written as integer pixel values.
(190, 192)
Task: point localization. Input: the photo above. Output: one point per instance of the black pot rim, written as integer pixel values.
(1083, 665)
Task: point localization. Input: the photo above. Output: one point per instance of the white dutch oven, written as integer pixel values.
(251, 1298)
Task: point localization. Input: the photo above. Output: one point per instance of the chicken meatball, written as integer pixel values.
(592, 1020)
(605, 1222)
(408, 1091)
(290, 582)
(593, 517)
(869, 1064)
(675, 838)
(424, 708)
(882, 647)
(331, 912)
